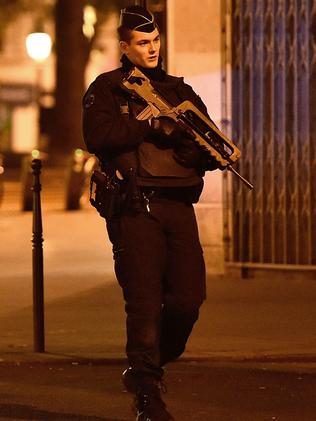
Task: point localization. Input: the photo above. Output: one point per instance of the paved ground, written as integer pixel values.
(84, 308)
(252, 356)
(195, 392)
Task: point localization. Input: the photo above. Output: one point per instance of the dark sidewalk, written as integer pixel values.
(196, 391)
(252, 355)
(84, 310)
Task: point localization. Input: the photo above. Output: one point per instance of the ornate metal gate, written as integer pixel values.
(273, 71)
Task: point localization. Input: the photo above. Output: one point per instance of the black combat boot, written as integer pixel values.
(148, 404)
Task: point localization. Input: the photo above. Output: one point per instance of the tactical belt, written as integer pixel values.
(178, 194)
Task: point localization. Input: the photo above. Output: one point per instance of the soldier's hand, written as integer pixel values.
(187, 153)
(165, 130)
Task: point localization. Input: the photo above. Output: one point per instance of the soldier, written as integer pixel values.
(157, 172)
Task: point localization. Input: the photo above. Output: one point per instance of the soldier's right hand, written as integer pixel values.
(165, 130)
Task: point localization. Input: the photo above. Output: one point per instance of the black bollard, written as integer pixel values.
(38, 277)
(26, 184)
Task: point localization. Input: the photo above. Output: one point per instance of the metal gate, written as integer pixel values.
(273, 114)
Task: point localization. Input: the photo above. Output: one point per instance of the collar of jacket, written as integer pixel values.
(156, 74)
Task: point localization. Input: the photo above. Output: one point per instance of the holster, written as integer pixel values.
(105, 194)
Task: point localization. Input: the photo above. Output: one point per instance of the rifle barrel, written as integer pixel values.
(246, 182)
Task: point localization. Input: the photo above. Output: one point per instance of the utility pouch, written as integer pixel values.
(105, 194)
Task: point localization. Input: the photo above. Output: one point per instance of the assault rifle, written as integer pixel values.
(206, 134)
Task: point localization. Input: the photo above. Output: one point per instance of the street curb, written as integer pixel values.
(48, 358)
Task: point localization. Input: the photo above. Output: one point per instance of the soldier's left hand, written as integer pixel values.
(187, 153)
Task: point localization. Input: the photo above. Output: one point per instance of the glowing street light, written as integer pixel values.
(89, 21)
(38, 46)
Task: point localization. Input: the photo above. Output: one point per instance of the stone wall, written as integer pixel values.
(194, 51)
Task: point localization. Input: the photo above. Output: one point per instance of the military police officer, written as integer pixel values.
(156, 170)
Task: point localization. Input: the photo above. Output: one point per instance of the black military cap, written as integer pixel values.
(137, 18)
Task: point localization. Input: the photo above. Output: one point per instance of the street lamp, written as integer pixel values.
(38, 46)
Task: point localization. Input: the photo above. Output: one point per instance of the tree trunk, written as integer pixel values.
(71, 59)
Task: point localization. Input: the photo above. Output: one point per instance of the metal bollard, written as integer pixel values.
(26, 184)
(26, 178)
(37, 255)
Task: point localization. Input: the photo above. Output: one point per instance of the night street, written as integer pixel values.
(254, 345)
(195, 392)
(191, 128)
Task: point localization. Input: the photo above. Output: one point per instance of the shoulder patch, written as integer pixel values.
(89, 100)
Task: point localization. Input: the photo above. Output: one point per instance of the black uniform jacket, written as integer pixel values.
(112, 132)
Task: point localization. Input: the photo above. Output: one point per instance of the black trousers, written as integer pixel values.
(159, 265)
